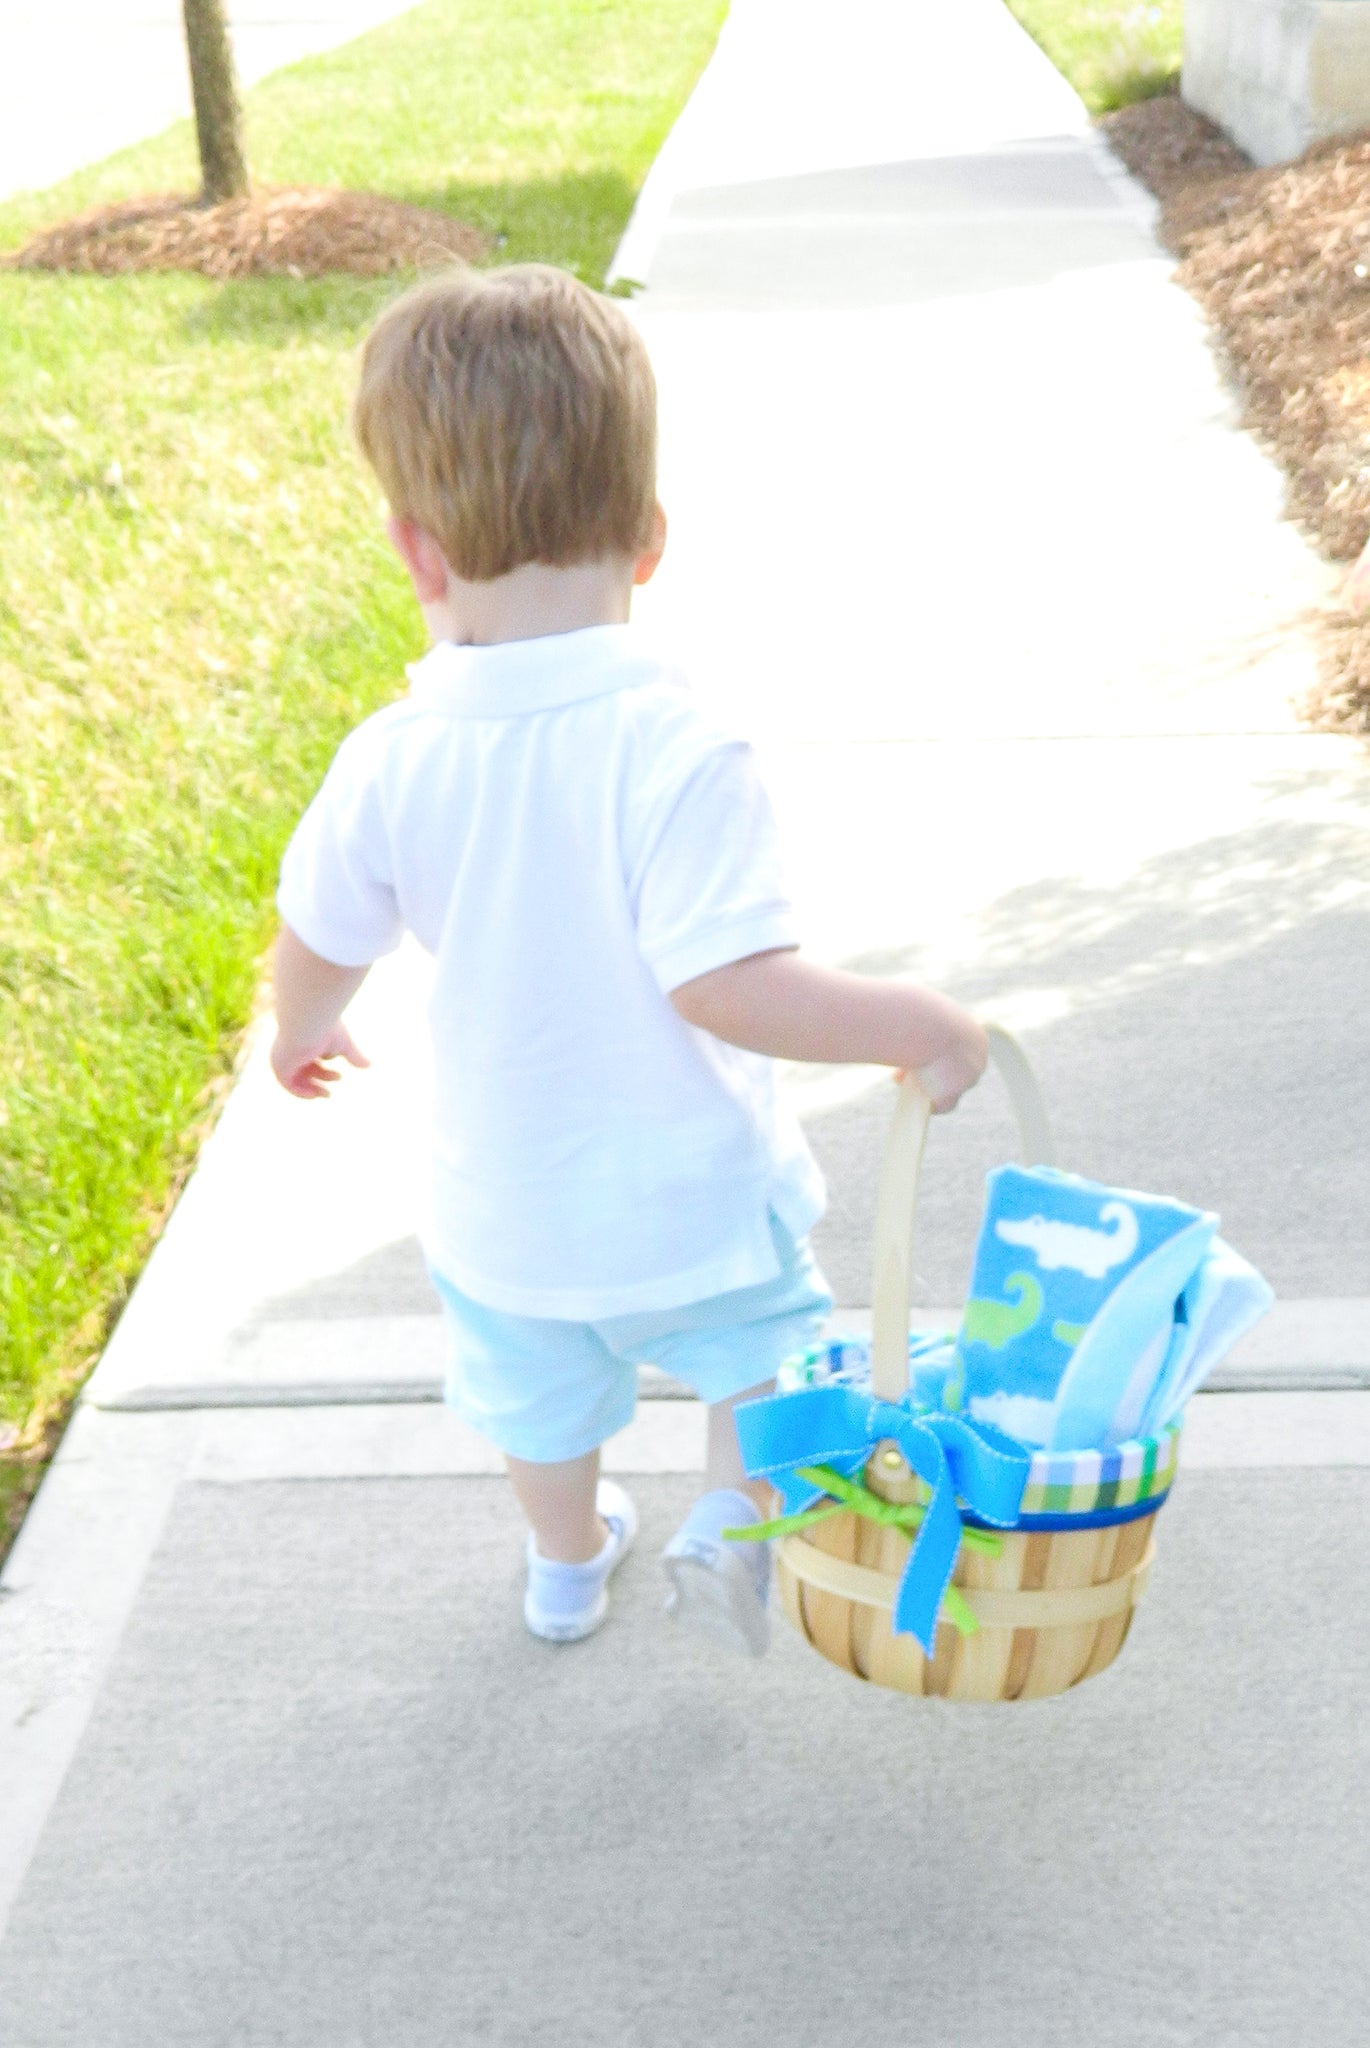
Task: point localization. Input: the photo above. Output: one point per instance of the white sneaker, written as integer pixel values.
(565, 1603)
(718, 1587)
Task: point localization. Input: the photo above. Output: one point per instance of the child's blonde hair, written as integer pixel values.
(512, 415)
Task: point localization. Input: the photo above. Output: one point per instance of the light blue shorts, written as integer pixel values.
(543, 1389)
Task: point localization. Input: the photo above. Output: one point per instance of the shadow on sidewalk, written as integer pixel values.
(1203, 1036)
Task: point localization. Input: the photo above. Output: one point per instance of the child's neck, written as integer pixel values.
(531, 602)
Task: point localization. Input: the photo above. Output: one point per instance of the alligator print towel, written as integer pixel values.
(1053, 1249)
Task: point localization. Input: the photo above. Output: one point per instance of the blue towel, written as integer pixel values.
(1055, 1252)
(1219, 1305)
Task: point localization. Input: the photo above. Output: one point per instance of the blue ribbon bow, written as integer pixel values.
(955, 1458)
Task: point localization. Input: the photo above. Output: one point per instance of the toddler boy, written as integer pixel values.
(592, 863)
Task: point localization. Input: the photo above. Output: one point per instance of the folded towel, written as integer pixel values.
(1219, 1305)
(1125, 1348)
(1095, 1313)
(1054, 1250)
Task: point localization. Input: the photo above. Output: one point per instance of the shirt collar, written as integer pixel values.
(518, 676)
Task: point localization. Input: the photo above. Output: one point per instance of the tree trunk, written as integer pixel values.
(218, 116)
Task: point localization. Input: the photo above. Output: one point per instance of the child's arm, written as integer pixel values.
(311, 995)
(778, 1003)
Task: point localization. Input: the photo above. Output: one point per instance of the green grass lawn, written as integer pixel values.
(1112, 51)
(196, 602)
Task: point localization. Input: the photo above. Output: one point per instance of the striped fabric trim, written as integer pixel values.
(1061, 1484)
(1089, 1482)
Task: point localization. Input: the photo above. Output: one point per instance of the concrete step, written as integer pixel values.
(369, 1361)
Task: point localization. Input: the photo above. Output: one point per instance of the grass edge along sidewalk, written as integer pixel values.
(1112, 51)
(197, 602)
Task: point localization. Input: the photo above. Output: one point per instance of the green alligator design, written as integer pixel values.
(997, 1323)
(1068, 1334)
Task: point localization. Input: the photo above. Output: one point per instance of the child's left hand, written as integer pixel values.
(311, 995)
(300, 1069)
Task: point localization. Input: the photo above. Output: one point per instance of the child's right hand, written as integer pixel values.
(947, 1077)
(947, 1080)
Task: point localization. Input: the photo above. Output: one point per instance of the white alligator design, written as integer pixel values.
(1084, 1250)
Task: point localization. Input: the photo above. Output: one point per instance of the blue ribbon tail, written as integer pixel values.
(953, 1457)
(932, 1559)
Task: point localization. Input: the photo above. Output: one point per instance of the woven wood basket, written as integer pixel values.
(1053, 1606)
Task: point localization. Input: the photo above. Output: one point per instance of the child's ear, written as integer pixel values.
(644, 568)
(422, 557)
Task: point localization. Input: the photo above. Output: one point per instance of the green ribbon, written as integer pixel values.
(850, 1496)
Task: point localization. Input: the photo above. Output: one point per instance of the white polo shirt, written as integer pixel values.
(567, 833)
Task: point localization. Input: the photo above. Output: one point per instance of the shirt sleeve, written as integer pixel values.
(336, 891)
(710, 887)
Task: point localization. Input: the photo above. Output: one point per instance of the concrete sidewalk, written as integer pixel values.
(963, 531)
(81, 78)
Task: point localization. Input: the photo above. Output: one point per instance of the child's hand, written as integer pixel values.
(945, 1079)
(300, 1068)
(311, 995)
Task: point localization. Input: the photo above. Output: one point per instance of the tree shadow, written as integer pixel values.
(1023, 214)
(1199, 1031)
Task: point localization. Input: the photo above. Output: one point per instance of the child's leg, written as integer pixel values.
(723, 1466)
(717, 1585)
(581, 1529)
(559, 1501)
(548, 1387)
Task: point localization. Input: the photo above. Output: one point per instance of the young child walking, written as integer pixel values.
(591, 860)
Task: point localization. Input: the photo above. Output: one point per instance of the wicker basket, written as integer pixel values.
(1055, 1603)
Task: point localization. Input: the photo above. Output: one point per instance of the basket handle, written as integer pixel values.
(892, 1289)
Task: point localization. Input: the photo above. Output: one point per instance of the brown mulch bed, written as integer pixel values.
(1279, 260)
(277, 231)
